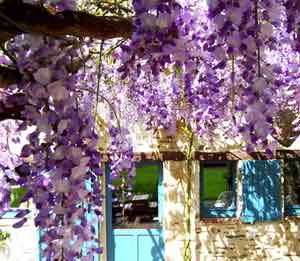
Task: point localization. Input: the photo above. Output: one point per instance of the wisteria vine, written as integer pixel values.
(225, 68)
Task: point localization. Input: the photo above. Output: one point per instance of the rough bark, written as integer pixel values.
(17, 17)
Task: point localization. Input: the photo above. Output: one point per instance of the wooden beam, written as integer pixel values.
(204, 155)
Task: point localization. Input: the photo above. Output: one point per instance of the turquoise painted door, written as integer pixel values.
(135, 230)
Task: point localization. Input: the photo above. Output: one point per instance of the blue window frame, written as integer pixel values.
(291, 172)
(143, 208)
(217, 189)
(144, 239)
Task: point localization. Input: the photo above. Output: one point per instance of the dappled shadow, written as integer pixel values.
(176, 176)
(261, 190)
(236, 241)
(225, 239)
(266, 236)
(157, 251)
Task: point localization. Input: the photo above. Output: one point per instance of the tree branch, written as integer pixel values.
(8, 76)
(14, 110)
(17, 17)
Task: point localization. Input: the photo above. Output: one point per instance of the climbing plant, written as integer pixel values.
(72, 71)
(3, 237)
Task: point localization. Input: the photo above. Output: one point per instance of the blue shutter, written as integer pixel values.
(261, 190)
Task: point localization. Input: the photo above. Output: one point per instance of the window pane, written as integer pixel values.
(16, 195)
(291, 169)
(141, 210)
(217, 187)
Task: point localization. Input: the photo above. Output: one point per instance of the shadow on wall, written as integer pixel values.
(175, 180)
(260, 233)
(261, 241)
(261, 190)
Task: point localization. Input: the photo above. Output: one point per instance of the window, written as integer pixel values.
(217, 189)
(291, 172)
(141, 209)
(16, 195)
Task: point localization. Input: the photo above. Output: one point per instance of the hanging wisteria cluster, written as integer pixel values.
(225, 68)
(216, 65)
(122, 166)
(8, 161)
(60, 166)
(241, 32)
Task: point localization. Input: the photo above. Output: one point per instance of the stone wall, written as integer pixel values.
(175, 178)
(260, 241)
(211, 240)
(222, 239)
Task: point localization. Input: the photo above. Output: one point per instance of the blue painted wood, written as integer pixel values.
(108, 217)
(136, 244)
(261, 190)
(219, 212)
(144, 244)
(160, 196)
(39, 252)
(10, 214)
(293, 210)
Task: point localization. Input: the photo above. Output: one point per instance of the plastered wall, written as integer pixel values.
(22, 244)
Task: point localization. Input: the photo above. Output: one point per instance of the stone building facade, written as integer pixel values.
(212, 239)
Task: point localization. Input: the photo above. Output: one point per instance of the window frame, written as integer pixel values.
(292, 210)
(160, 192)
(219, 212)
